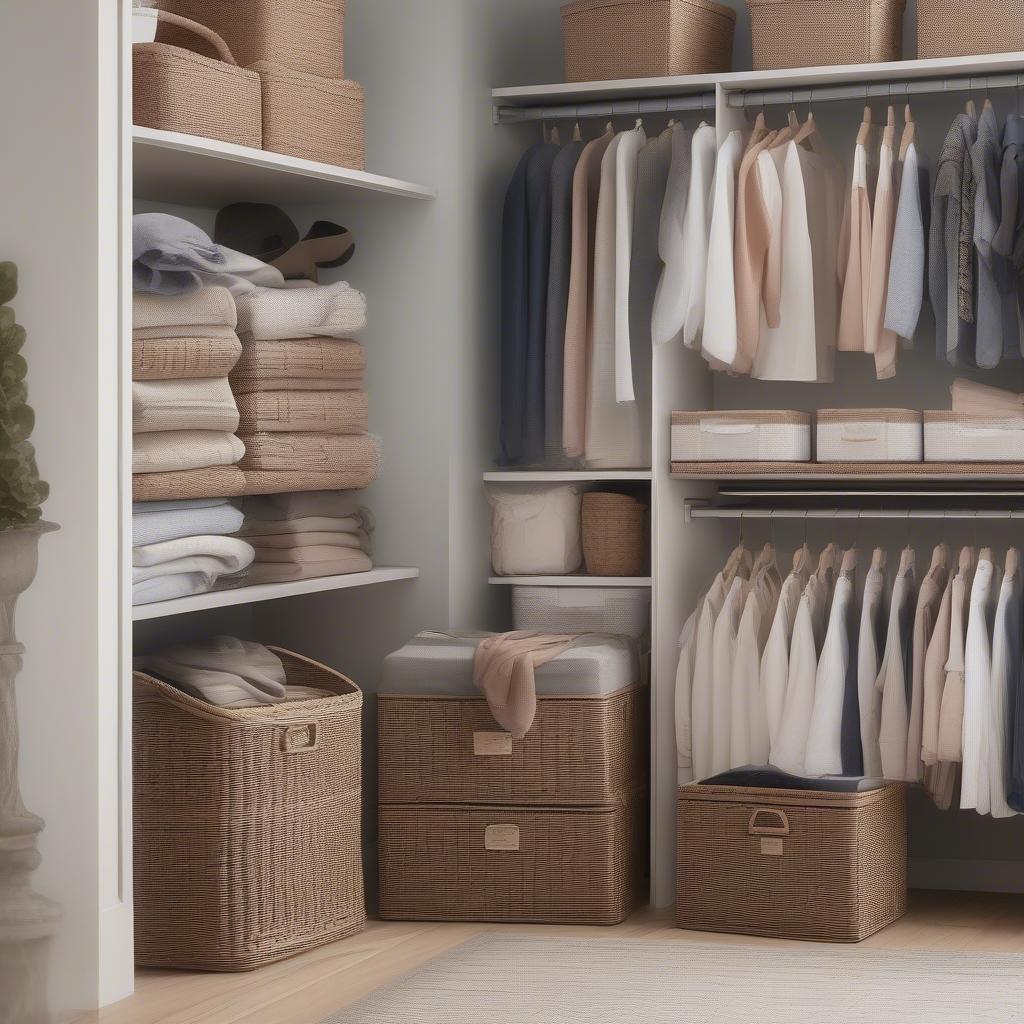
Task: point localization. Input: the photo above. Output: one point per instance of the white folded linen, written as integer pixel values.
(171, 451)
(195, 403)
(272, 508)
(229, 549)
(170, 588)
(170, 524)
(332, 310)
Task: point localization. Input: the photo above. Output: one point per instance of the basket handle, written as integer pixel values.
(300, 737)
(216, 41)
(780, 828)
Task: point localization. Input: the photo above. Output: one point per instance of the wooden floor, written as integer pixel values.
(309, 988)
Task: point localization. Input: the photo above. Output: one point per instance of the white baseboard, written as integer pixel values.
(967, 875)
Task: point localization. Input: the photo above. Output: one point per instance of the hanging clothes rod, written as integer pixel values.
(606, 109)
(876, 90)
(697, 510)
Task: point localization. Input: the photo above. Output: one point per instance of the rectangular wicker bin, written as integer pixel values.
(508, 864)
(963, 28)
(246, 824)
(828, 867)
(580, 751)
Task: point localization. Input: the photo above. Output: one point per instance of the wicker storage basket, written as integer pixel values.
(956, 437)
(305, 35)
(606, 39)
(176, 90)
(809, 33)
(247, 824)
(751, 436)
(557, 866)
(312, 118)
(962, 28)
(579, 751)
(870, 435)
(615, 535)
(829, 867)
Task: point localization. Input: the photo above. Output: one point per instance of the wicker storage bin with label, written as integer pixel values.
(963, 28)
(822, 866)
(608, 39)
(870, 435)
(956, 437)
(812, 33)
(748, 436)
(247, 824)
(178, 90)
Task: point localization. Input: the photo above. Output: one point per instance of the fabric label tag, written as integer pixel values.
(492, 744)
(501, 837)
(771, 847)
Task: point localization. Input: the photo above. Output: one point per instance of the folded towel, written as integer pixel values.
(336, 310)
(211, 566)
(300, 359)
(325, 412)
(205, 403)
(276, 508)
(170, 588)
(255, 387)
(346, 563)
(278, 547)
(262, 482)
(154, 527)
(170, 358)
(210, 482)
(171, 451)
(359, 522)
(140, 507)
(358, 454)
(312, 555)
(234, 553)
(208, 307)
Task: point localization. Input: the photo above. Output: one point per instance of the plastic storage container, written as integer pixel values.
(954, 437)
(870, 435)
(754, 436)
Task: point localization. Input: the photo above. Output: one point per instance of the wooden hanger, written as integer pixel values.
(878, 559)
(907, 560)
(807, 129)
(864, 135)
(577, 133)
(940, 557)
(966, 560)
(849, 566)
(801, 558)
(827, 561)
(760, 125)
(909, 133)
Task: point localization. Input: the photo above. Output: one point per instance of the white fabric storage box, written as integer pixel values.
(752, 436)
(954, 437)
(623, 611)
(870, 435)
(535, 530)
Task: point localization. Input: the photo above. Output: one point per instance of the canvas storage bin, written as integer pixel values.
(178, 90)
(625, 611)
(963, 28)
(313, 118)
(608, 39)
(955, 437)
(757, 436)
(247, 824)
(809, 33)
(870, 435)
(567, 865)
(822, 866)
(616, 538)
(535, 530)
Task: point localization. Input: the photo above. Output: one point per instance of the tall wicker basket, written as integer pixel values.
(961, 28)
(615, 534)
(247, 824)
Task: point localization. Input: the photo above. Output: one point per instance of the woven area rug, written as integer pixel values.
(524, 979)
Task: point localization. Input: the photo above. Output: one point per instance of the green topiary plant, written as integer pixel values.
(22, 493)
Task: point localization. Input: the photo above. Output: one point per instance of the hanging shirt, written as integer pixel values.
(1006, 674)
(696, 225)
(951, 711)
(907, 269)
(1009, 239)
(974, 789)
(873, 620)
(775, 660)
(877, 339)
(893, 674)
(625, 199)
(934, 679)
(723, 661)
(669, 312)
(855, 259)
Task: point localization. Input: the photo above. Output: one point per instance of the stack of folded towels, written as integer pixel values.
(305, 536)
(183, 548)
(299, 390)
(184, 412)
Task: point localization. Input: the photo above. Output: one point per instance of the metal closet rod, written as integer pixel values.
(605, 109)
(876, 90)
(696, 511)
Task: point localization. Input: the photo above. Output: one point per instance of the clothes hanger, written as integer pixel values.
(986, 555)
(909, 132)
(1012, 562)
(864, 135)
(971, 108)
(907, 559)
(879, 559)
(577, 133)
(849, 566)
(940, 557)
(827, 560)
(807, 129)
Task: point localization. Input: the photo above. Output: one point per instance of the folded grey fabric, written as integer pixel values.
(358, 522)
(329, 310)
(754, 777)
(176, 506)
(171, 451)
(199, 403)
(156, 526)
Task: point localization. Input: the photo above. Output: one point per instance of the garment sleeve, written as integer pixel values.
(771, 191)
(907, 265)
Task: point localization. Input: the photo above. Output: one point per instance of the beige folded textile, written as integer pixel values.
(326, 412)
(305, 555)
(358, 523)
(346, 563)
(204, 403)
(212, 482)
(317, 453)
(300, 506)
(177, 358)
(315, 358)
(208, 307)
(264, 482)
(183, 331)
(972, 399)
(257, 387)
(287, 542)
(172, 451)
(334, 310)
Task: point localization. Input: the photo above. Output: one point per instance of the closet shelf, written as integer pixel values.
(270, 592)
(554, 476)
(923, 472)
(175, 168)
(571, 581)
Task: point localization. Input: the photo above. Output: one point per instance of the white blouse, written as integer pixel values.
(696, 225)
(869, 654)
(669, 303)
(625, 198)
(974, 789)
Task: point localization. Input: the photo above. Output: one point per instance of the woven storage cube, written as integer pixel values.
(178, 90)
(505, 864)
(305, 35)
(246, 823)
(810, 33)
(621, 611)
(749, 436)
(957, 437)
(615, 534)
(870, 435)
(535, 529)
(607, 39)
(830, 867)
(583, 750)
(962, 28)
(313, 118)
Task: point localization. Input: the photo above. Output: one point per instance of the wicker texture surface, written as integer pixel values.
(608, 39)
(326, 412)
(247, 824)
(287, 481)
(615, 534)
(963, 28)
(847, 471)
(752, 416)
(579, 751)
(829, 867)
(355, 455)
(298, 359)
(184, 358)
(810, 33)
(869, 416)
(191, 484)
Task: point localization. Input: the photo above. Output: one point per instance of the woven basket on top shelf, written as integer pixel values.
(614, 534)
(962, 28)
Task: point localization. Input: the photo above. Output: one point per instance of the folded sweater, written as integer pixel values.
(345, 563)
(300, 359)
(171, 451)
(325, 412)
(154, 527)
(196, 404)
(358, 455)
(149, 560)
(190, 484)
(304, 505)
(359, 522)
(278, 547)
(336, 310)
(208, 307)
(192, 355)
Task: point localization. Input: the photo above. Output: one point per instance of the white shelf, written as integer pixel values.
(553, 476)
(571, 581)
(269, 592)
(188, 169)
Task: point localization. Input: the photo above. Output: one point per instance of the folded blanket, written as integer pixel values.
(360, 522)
(346, 563)
(169, 358)
(299, 554)
(170, 588)
(154, 527)
(275, 508)
(210, 482)
(183, 331)
(140, 507)
(255, 387)
(208, 307)
(234, 553)
(336, 310)
(973, 399)
(358, 454)
(171, 451)
(325, 412)
(198, 404)
(278, 547)
(300, 359)
(264, 482)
